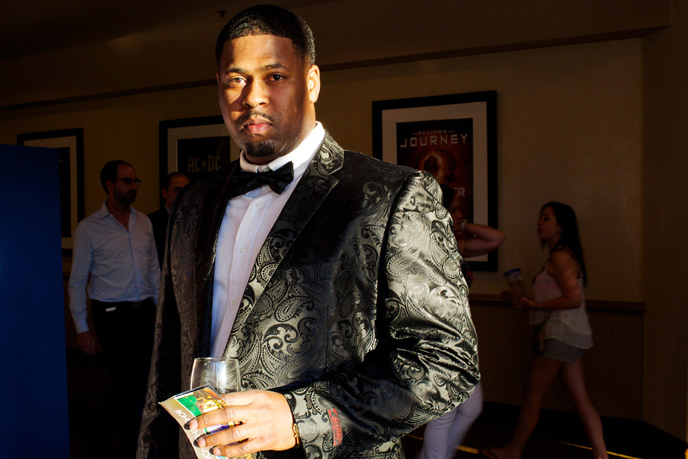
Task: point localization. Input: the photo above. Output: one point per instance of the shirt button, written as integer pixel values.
(234, 302)
(259, 204)
(242, 249)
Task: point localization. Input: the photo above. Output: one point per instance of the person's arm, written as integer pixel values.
(565, 270)
(153, 264)
(423, 364)
(78, 280)
(480, 239)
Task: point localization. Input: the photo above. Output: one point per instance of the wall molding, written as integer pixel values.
(625, 307)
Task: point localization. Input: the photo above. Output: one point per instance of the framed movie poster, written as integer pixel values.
(454, 138)
(69, 144)
(195, 146)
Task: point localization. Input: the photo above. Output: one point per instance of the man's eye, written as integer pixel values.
(235, 81)
(276, 77)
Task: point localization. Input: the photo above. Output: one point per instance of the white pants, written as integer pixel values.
(444, 435)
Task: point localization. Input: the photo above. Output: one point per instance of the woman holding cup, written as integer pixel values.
(445, 434)
(558, 310)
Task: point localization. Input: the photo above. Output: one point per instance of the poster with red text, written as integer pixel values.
(445, 149)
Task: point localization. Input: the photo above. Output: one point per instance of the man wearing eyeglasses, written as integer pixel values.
(116, 248)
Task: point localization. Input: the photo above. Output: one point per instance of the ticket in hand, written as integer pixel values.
(187, 405)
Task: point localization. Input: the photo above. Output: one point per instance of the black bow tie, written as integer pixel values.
(242, 182)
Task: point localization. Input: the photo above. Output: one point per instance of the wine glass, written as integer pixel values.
(222, 374)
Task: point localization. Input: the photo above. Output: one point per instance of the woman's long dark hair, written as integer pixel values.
(569, 237)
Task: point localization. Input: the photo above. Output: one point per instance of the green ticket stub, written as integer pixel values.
(187, 405)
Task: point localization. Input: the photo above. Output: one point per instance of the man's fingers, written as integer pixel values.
(235, 434)
(262, 421)
(86, 343)
(237, 449)
(245, 438)
(236, 441)
(241, 433)
(234, 411)
(224, 415)
(88, 348)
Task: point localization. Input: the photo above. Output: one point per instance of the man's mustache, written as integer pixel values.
(246, 116)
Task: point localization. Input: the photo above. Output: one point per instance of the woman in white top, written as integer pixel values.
(444, 435)
(558, 310)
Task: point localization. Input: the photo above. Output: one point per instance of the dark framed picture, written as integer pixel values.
(195, 146)
(455, 138)
(70, 146)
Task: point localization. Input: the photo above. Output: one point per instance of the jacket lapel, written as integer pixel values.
(212, 211)
(308, 196)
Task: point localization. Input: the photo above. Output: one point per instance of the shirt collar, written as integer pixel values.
(104, 212)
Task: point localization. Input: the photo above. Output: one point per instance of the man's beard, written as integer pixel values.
(262, 149)
(126, 199)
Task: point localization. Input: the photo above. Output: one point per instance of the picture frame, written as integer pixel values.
(196, 147)
(455, 138)
(70, 146)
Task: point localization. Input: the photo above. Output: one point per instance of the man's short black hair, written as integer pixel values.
(109, 172)
(269, 20)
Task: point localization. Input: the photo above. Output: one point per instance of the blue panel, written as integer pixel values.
(33, 368)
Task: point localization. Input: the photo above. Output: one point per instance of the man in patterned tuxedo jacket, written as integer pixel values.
(340, 294)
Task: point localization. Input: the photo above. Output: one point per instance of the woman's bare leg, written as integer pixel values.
(572, 375)
(542, 373)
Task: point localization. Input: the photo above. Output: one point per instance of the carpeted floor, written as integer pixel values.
(558, 435)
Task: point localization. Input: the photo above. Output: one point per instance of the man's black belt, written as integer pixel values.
(121, 304)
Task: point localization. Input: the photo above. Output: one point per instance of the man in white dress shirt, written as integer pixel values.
(331, 277)
(115, 246)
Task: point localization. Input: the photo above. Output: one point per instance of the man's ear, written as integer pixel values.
(313, 82)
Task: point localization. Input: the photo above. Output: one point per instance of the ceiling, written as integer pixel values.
(35, 26)
(52, 52)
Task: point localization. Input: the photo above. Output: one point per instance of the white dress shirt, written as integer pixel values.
(123, 263)
(245, 226)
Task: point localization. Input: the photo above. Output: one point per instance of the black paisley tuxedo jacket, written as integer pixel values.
(355, 310)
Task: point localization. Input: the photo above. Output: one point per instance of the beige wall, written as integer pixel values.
(117, 128)
(665, 219)
(569, 128)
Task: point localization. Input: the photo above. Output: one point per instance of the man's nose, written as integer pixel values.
(255, 94)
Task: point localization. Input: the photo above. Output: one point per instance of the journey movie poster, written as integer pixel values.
(445, 149)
